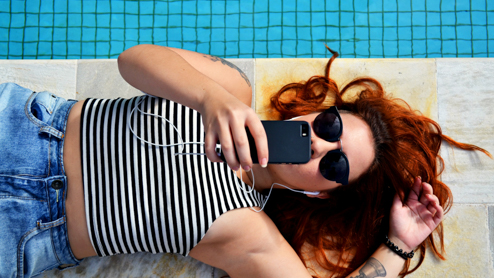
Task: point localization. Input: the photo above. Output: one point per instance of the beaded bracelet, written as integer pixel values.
(397, 250)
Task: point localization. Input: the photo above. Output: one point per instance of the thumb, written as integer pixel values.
(397, 203)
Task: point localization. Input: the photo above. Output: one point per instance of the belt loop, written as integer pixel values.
(51, 130)
(48, 225)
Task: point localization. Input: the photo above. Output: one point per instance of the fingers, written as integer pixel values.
(259, 134)
(228, 146)
(397, 203)
(210, 147)
(426, 188)
(241, 146)
(235, 142)
(420, 190)
(435, 208)
(438, 217)
(416, 189)
(426, 191)
(424, 194)
(241, 140)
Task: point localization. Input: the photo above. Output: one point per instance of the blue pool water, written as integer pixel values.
(63, 29)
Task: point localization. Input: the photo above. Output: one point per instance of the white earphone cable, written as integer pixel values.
(182, 143)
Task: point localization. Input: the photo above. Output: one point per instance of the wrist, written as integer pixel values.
(211, 94)
(401, 244)
(398, 247)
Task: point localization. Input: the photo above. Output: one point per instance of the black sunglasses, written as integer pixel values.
(334, 165)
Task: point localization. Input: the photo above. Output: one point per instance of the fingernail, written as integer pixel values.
(235, 169)
(246, 168)
(420, 178)
(264, 162)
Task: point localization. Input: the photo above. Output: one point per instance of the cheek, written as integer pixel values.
(310, 172)
(300, 172)
(360, 166)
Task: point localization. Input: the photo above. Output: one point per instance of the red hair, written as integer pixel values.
(355, 219)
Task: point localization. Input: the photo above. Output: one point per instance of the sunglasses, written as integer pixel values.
(334, 165)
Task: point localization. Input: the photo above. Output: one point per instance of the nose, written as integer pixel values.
(321, 147)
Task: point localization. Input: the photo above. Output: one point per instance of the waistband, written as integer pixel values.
(55, 183)
(55, 126)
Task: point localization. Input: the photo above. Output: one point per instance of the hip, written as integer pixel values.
(33, 184)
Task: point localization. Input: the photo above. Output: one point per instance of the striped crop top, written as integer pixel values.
(143, 198)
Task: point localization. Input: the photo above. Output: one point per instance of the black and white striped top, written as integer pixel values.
(144, 198)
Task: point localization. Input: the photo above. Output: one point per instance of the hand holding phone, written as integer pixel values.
(288, 142)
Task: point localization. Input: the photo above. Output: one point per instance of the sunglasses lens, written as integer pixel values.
(327, 126)
(334, 167)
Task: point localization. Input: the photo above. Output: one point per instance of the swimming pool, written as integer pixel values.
(63, 29)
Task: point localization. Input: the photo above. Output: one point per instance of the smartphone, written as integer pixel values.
(288, 142)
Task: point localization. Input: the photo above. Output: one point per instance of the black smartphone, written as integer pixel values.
(288, 142)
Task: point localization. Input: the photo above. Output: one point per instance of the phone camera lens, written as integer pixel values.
(305, 130)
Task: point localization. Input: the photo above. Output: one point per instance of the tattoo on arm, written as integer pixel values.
(226, 63)
(372, 268)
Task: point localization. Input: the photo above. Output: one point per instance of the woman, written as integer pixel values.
(240, 241)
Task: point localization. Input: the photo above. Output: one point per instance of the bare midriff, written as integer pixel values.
(76, 218)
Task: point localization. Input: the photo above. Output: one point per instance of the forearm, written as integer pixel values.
(162, 72)
(383, 263)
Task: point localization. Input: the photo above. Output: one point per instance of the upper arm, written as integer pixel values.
(225, 73)
(152, 68)
(248, 244)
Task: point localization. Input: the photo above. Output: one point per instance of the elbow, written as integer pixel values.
(122, 63)
(128, 61)
(141, 57)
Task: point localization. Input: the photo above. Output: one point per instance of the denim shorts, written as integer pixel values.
(33, 187)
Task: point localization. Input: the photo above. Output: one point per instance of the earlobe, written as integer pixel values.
(321, 195)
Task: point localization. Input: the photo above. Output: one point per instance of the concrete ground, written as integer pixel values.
(458, 93)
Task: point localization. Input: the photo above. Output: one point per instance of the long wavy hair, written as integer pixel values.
(343, 231)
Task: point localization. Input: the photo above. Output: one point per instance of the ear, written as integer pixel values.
(321, 195)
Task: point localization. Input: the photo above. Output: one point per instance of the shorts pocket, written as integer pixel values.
(40, 106)
(35, 253)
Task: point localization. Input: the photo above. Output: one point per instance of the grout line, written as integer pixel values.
(437, 89)
(76, 73)
(490, 223)
(254, 69)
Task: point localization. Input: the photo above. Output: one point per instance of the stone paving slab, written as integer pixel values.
(419, 75)
(56, 76)
(466, 242)
(466, 113)
(101, 78)
(143, 265)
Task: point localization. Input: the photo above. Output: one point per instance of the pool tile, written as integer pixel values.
(413, 80)
(101, 78)
(56, 76)
(467, 245)
(466, 114)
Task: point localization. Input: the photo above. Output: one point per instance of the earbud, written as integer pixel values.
(294, 118)
(313, 193)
